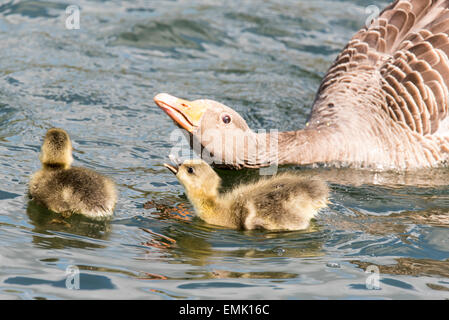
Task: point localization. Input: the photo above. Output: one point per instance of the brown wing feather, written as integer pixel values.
(408, 46)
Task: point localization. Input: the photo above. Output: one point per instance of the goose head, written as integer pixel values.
(218, 133)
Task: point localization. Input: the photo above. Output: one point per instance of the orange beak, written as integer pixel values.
(186, 114)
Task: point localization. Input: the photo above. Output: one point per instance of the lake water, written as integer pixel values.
(265, 59)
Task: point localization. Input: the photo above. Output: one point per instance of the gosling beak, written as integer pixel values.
(171, 168)
(186, 114)
(175, 160)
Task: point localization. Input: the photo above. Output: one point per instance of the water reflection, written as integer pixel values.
(438, 217)
(197, 246)
(51, 231)
(87, 281)
(425, 178)
(411, 266)
(192, 242)
(396, 223)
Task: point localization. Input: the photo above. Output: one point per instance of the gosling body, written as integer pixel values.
(282, 202)
(70, 190)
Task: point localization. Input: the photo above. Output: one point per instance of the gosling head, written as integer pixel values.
(56, 151)
(198, 178)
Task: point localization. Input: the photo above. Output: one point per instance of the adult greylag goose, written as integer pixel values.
(382, 104)
(69, 190)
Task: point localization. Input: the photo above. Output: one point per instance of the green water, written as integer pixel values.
(264, 59)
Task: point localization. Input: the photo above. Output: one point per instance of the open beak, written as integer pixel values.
(175, 167)
(186, 114)
(171, 168)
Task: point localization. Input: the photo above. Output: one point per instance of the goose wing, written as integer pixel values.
(408, 48)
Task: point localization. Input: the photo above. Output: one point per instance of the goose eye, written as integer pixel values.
(226, 119)
(190, 170)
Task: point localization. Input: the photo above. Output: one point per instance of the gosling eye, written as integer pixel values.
(190, 170)
(226, 118)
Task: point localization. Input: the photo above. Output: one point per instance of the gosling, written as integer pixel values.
(69, 190)
(282, 202)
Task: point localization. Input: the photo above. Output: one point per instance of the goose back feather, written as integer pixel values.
(397, 67)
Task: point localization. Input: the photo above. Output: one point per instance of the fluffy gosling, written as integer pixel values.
(282, 202)
(69, 190)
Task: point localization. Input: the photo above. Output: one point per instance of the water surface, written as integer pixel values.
(265, 59)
